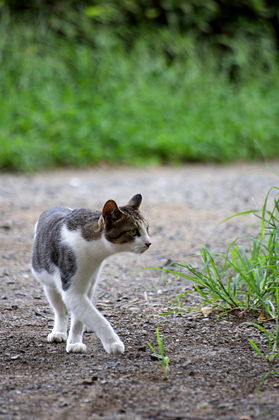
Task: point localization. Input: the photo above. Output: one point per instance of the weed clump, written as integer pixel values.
(244, 281)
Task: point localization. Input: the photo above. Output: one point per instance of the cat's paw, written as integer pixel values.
(76, 348)
(115, 348)
(56, 337)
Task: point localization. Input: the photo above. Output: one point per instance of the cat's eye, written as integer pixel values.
(133, 232)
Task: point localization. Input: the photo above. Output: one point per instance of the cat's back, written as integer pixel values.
(48, 228)
(47, 237)
(51, 217)
(59, 233)
(52, 220)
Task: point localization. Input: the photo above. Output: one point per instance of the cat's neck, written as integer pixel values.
(96, 250)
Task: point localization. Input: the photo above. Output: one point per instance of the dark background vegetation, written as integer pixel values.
(137, 82)
(205, 18)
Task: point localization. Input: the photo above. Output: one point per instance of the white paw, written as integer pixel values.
(76, 348)
(115, 348)
(56, 337)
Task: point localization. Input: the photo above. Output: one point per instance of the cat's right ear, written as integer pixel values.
(135, 201)
(110, 208)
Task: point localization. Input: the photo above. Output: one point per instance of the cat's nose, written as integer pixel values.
(147, 244)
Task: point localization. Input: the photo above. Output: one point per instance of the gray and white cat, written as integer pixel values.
(69, 249)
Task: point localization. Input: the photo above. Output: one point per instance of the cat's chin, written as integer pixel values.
(139, 250)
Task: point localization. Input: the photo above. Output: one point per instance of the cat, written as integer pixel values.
(68, 253)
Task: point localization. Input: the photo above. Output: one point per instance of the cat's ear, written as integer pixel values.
(110, 208)
(135, 201)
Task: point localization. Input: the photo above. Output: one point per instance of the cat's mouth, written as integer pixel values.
(140, 249)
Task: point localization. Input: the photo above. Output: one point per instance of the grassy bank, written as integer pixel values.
(71, 103)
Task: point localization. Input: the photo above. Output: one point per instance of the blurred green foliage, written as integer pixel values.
(203, 17)
(136, 82)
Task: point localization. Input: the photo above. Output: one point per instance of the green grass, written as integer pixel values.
(162, 359)
(70, 104)
(244, 280)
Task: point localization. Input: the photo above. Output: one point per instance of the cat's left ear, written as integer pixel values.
(135, 201)
(110, 208)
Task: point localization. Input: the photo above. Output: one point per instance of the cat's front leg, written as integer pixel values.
(85, 311)
(74, 342)
(115, 346)
(110, 340)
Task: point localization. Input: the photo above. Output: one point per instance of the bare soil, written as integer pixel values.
(214, 373)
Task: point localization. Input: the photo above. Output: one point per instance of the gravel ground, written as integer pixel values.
(213, 373)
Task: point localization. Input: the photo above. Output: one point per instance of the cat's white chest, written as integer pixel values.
(89, 254)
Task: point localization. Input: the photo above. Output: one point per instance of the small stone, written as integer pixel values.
(141, 348)
(75, 182)
(6, 227)
(87, 382)
(187, 363)
(63, 403)
(154, 356)
(225, 405)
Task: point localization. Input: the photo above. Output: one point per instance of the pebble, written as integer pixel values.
(15, 357)
(187, 363)
(153, 356)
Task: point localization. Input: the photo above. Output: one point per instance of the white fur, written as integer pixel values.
(90, 256)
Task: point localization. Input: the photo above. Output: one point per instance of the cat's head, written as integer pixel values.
(125, 226)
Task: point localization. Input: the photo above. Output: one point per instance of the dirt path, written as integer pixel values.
(213, 374)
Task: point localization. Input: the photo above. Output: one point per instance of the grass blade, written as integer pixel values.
(255, 347)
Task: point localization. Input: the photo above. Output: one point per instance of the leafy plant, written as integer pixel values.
(273, 341)
(164, 360)
(241, 280)
(272, 337)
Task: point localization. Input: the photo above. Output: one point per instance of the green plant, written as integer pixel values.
(241, 280)
(273, 341)
(70, 103)
(164, 360)
(272, 337)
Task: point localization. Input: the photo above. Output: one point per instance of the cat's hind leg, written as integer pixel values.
(74, 342)
(59, 331)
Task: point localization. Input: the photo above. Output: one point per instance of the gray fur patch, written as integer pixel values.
(68, 266)
(48, 252)
(87, 221)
